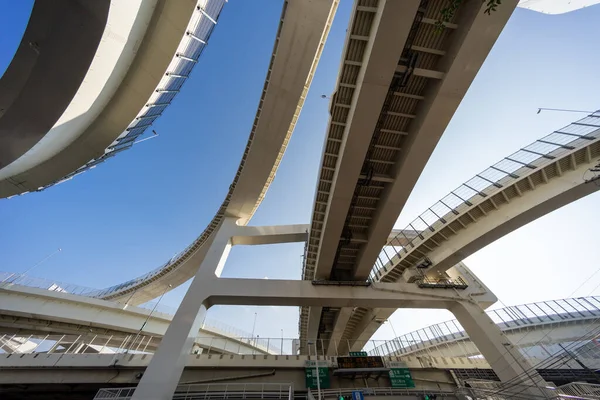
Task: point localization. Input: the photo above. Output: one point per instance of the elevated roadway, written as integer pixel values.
(301, 36)
(524, 186)
(401, 79)
(536, 328)
(28, 315)
(536, 180)
(100, 74)
(56, 52)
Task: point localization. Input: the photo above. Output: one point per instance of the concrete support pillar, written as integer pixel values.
(340, 325)
(162, 375)
(505, 359)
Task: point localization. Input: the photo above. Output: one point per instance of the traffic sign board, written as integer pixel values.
(310, 375)
(400, 376)
(358, 354)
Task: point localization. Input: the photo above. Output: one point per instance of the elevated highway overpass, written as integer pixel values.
(301, 35)
(300, 39)
(72, 375)
(528, 184)
(31, 316)
(401, 79)
(388, 99)
(88, 79)
(534, 181)
(536, 328)
(437, 356)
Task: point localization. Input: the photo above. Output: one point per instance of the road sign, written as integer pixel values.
(358, 354)
(360, 362)
(310, 375)
(357, 395)
(400, 376)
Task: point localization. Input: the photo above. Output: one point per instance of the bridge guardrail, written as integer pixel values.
(512, 317)
(505, 172)
(212, 391)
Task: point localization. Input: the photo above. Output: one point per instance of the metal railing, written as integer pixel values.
(504, 173)
(13, 278)
(382, 391)
(190, 48)
(514, 317)
(121, 348)
(212, 391)
(129, 344)
(580, 390)
(52, 285)
(493, 390)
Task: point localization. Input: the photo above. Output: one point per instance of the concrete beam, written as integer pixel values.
(477, 291)
(271, 292)
(392, 25)
(472, 41)
(81, 369)
(258, 235)
(240, 235)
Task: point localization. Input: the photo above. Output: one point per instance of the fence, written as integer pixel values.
(212, 391)
(380, 391)
(435, 338)
(47, 284)
(491, 390)
(132, 344)
(483, 391)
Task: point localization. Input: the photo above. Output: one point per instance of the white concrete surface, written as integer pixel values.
(124, 31)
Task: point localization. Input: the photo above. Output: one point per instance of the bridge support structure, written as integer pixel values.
(162, 376)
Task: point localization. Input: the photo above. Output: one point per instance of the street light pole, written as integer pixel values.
(253, 328)
(148, 317)
(389, 321)
(316, 367)
(42, 261)
(16, 275)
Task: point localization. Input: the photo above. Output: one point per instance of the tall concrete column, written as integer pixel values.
(162, 375)
(505, 359)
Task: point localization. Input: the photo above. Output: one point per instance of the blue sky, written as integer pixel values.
(134, 212)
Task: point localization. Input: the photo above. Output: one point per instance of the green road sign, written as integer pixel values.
(358, 354)
(400, 376)
(310, 375)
